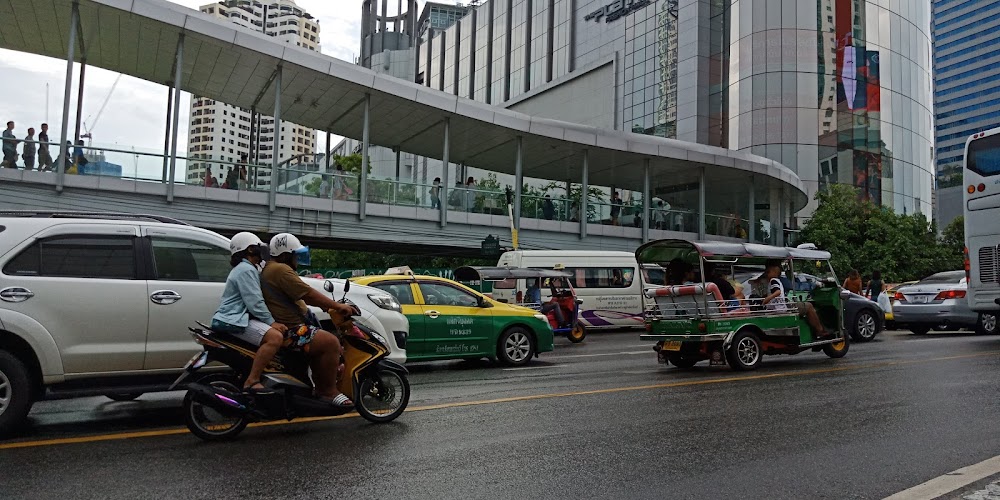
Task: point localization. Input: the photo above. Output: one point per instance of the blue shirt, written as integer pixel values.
(242, 297)
(534, 295)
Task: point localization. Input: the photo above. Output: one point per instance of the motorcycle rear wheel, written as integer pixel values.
(382, 396)
(207, 423)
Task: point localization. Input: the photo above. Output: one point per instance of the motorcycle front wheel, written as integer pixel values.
(382, 396)
(208, 423)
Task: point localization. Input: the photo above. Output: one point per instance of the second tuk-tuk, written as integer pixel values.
(691, 321)
(562, 302)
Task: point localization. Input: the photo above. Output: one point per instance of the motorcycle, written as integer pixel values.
(217, 409)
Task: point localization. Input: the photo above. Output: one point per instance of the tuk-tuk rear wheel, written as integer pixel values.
(838, 349)
(577, 334)
(745, 352)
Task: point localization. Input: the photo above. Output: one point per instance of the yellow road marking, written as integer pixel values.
(512, 399)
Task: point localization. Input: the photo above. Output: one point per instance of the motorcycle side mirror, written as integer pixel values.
(347, 285)
(328, 286)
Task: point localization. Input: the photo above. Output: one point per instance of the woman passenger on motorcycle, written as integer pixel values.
(243, 312)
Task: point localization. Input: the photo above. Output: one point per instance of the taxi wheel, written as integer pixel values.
(515, 347)
(577, 334)
(744, 353)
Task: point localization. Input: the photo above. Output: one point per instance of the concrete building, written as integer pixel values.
(839, 91)
(967, 89)
(222, 132)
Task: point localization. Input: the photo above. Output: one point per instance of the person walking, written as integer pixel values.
(876, 286)
(548, 208)
(656, 218)
(853, 282)
(436, 193)
(616, 209)
(243, 177)
(44, 158)
(339, 186)
(9, 146)
(470, 194)
(208, 177)
(28, 151)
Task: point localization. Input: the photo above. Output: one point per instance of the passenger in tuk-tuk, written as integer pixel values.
(769, 288)
(533, 294)
(713, 274)
(555, 286)
(680, 273)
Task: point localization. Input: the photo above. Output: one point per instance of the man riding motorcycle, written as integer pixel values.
(286, 296)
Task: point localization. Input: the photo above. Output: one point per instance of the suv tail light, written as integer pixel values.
(950, 294)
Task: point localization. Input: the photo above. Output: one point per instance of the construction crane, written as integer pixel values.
(87, 135)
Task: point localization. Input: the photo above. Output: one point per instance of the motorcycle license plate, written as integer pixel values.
(673, 345)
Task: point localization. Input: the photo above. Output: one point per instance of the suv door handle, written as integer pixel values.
(165, 297)
(432, 314)
(15, 294)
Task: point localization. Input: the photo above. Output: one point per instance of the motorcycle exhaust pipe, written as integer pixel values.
(217, 399)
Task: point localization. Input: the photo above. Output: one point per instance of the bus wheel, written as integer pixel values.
(987, 324)
(744, 353)
(577, 334)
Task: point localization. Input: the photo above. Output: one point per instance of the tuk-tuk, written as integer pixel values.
(691, 321)
(562, 296)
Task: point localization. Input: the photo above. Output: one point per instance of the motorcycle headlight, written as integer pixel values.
(386, 301)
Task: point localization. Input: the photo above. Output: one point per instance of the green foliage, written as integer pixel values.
(351, 163)
(866, 237)
(595, 195)
(953, 236)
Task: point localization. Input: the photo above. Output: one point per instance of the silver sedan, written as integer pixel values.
(938, 302)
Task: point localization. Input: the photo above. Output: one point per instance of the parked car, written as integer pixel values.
(863, 318)
(100, 304)
(449, 320)
(938, 302)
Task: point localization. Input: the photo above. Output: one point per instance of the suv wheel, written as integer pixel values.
(15, 392)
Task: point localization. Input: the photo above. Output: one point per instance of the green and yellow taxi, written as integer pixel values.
(449, 320)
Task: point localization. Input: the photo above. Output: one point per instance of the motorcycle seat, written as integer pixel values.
(224, 336)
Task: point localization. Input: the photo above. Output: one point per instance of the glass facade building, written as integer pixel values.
(839, 91)
(967, 88)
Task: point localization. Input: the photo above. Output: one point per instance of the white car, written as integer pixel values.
(94, 304)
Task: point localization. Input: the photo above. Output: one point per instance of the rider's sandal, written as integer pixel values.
(340, 401)
(257, 389)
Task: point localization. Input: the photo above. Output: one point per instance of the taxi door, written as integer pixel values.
(454, 323)
(405, 291)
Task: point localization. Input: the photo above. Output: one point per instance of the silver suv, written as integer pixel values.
(99, 304)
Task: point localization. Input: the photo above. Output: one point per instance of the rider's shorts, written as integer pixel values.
(299, 337)
(803, 308)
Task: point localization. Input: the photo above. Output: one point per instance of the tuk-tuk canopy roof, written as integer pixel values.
(477, 273)
(667, 250)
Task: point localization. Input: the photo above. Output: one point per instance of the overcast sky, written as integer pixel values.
(136, 111)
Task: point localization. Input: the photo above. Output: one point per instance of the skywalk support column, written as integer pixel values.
(645, 201)
(363, 188)
(178, 74)
(64, 132)
(701, 203)
(751, 214)
(166, 133)
(79, 97)
(518, 181)
(272, 194)
(446, 157)
(584, 191)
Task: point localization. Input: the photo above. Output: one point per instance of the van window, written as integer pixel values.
(602, 277)
(105, 257)
(177, 259)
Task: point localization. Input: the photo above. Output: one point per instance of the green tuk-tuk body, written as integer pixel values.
(691, 322)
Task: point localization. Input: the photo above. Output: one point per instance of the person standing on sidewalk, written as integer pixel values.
(28, 151)
(44, 158)
(9, 146)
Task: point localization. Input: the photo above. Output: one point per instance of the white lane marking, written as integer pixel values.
(622, 353)
(531, 368)
(950, 482)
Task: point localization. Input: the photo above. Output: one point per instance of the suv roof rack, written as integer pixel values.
(55, 214)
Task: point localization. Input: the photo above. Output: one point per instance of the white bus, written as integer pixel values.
(608, 283)
(982, 220)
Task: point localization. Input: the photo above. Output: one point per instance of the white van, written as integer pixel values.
(608, 283)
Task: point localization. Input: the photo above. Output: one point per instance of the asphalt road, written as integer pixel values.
(595, 420)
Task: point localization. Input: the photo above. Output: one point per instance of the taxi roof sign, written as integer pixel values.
(400, 270)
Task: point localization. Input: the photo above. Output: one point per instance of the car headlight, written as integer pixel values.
(542, 317)
(386, 301)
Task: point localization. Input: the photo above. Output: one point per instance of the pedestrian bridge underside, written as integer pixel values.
(162, 42)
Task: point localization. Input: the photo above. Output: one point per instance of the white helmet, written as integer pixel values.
(288, 243)
(243, 241)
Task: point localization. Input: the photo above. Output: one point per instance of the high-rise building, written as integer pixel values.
(966, 89)
(221, 132)
(838, 91)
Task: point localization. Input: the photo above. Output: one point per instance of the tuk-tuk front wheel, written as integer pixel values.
(744, 353)
(577, 334)
(837, 349)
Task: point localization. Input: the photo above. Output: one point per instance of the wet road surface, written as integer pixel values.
(595, 420)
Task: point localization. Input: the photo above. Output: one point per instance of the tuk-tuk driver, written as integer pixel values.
(775, 298)
(555, 284)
